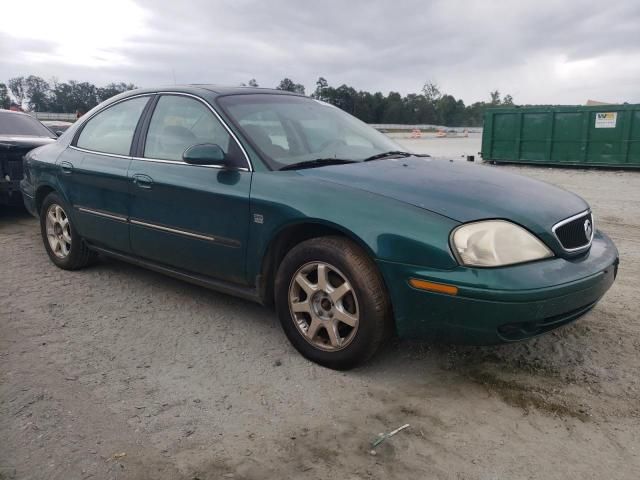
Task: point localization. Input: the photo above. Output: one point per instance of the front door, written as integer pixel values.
(192, 217)
(94, 174)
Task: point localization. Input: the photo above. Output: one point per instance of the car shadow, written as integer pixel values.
(10, 215)
(202, 294)
(12, 212)
(533, 356)
(529, 374)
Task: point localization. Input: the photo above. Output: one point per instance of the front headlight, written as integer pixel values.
(494, 243)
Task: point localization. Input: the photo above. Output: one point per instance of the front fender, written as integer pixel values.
(390, 230)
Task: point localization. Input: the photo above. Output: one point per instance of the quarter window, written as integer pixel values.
(111, 130)
(180, 122)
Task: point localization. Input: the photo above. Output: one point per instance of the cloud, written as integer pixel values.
(539, 51)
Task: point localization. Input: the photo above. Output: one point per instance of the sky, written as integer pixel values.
(542, 51)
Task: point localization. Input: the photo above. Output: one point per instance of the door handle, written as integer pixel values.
(66, 167)
(141, 180)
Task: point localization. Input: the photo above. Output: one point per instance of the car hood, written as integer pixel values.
(459, 190)
(20, 141)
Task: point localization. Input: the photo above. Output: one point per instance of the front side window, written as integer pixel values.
(111, 130)
(178, 123)
(288, 129)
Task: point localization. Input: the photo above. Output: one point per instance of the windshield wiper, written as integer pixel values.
(392, 153)
(318, 162)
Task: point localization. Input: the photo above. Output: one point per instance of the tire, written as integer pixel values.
(66, 249)
(351, 301)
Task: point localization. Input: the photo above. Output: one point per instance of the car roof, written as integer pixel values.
(24, 114)
(226, 90)
(209, 90)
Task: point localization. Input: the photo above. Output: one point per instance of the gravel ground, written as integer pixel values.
(117, 372)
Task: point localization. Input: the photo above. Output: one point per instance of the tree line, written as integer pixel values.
(430, 106)
(36, 94)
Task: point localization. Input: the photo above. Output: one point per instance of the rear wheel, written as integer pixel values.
(331, 302)
(65, 247)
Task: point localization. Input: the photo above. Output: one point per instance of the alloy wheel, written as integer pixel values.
(58, 231)
(324, 306)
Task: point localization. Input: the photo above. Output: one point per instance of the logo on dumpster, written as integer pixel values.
(606, 119)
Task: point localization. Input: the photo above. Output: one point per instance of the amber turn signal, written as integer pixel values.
(433, 287)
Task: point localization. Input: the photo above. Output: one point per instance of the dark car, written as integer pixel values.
(19, 133)
(287, 200)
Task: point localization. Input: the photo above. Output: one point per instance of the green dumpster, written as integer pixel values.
(602, 135)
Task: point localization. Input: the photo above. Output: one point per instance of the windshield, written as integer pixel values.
(16, 124)
(289, 129)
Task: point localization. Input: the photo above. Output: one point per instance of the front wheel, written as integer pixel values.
(332, 302)
(65, 247)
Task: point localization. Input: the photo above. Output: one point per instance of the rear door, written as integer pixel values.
(192, 217)
(93, 172)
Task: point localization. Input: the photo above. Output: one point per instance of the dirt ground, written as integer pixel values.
(115, 372)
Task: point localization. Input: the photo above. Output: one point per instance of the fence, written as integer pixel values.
(65, 117)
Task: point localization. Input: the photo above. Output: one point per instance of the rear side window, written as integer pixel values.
(180, 122)
(111, 130)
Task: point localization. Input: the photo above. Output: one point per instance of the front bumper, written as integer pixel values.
(495, 305)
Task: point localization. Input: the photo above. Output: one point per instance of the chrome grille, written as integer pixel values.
(575, 233)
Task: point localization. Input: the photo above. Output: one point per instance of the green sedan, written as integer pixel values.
(291, 202)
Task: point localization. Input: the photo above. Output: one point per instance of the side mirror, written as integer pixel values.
(204, 154)
(59, 132)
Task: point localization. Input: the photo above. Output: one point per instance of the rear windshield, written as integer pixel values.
(16, 124)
